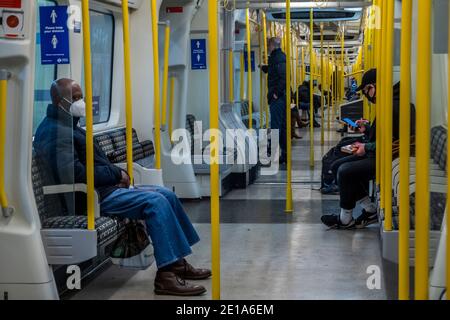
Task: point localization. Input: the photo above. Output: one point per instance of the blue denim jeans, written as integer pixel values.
(168, 225)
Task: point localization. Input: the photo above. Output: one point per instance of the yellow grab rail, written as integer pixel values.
(405, 92)
(342, 92)
(89, 115)
(172, 88)
(156, 85)
(380, 93)
(289, 205)
(422, 203)
(214, 126)
(231, 75)
(311, 90)
(249, 71)
(378, 84)
(7, 211)
(165, 73)
(241, 75)
(266, 104)
(388, 107)
(128, 87)
(322, 82)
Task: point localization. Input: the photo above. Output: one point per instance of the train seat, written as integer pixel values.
(202, 169)
(242, 110)
(438, 189)
(65, 236)
(113, 143)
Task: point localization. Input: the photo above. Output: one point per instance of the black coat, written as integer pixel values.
(276, 75)
(61, 143)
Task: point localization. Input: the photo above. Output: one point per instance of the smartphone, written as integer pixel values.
(350, 123)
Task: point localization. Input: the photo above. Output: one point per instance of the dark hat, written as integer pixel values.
(370, 77)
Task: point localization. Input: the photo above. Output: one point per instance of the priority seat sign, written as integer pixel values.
(54, 35)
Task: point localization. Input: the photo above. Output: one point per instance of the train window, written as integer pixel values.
(102, 50)
(44, 75)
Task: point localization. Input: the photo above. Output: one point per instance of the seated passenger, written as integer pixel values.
(303, 96)
(356, 171)
(167, 224)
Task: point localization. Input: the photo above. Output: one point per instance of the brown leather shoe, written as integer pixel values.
(186, 271)
(168, 283)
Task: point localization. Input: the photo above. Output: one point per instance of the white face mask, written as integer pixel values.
(78, 108)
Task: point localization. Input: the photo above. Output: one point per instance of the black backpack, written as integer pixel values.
(331, 156)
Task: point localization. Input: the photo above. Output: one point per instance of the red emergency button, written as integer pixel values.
(12, 21)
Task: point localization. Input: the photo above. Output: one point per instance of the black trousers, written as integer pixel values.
(278, 122)
(353, 177)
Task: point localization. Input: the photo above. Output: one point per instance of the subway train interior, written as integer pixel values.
(206, 150)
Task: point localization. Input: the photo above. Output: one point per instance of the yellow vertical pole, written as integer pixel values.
(303, 65)
(311, 90)
(405, 92)
(422, 203)
(389, 57)
(4, 75)
(342, 65)
(231, 75)
(156, 90)
(165, 73)
(172, 88)
(322, 83)
(289, 205)
(261, 80)
(297, 75)
(380, 94)
(214, 126)
(249, 73)
(378, 85)
(366, 59)
(266, 59)
(241, 75)
(89, 114)
(128, 88)
(329, 89)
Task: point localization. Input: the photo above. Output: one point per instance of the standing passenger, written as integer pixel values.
(276, 95)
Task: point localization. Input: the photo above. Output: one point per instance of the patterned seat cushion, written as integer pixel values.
(106, 227)
(439, 146)
(120, 155)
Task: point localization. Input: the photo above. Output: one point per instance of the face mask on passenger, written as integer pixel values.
(77, 108)
(367, 94)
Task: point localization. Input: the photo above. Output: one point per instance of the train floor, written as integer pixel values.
(266, 253)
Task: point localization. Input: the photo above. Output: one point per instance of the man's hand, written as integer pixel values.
(359, 149)
(264, 68)
(125, 181)
(362, 123)
(275, 96)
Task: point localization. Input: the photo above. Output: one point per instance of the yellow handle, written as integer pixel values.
(172, 88)
(422, 203)
(249, 72)
(89, 115)
(214, 126)
(166, 73)
(156, 86)
(3, 113)
(405, 92)
(311, 91)
(289, 204)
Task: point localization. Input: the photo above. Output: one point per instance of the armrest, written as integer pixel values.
(77, 187)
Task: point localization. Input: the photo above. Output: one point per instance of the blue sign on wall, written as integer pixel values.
(198, 54)
(54, 35)
(252, 54)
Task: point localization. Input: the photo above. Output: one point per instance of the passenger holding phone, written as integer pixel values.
(353, 173)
